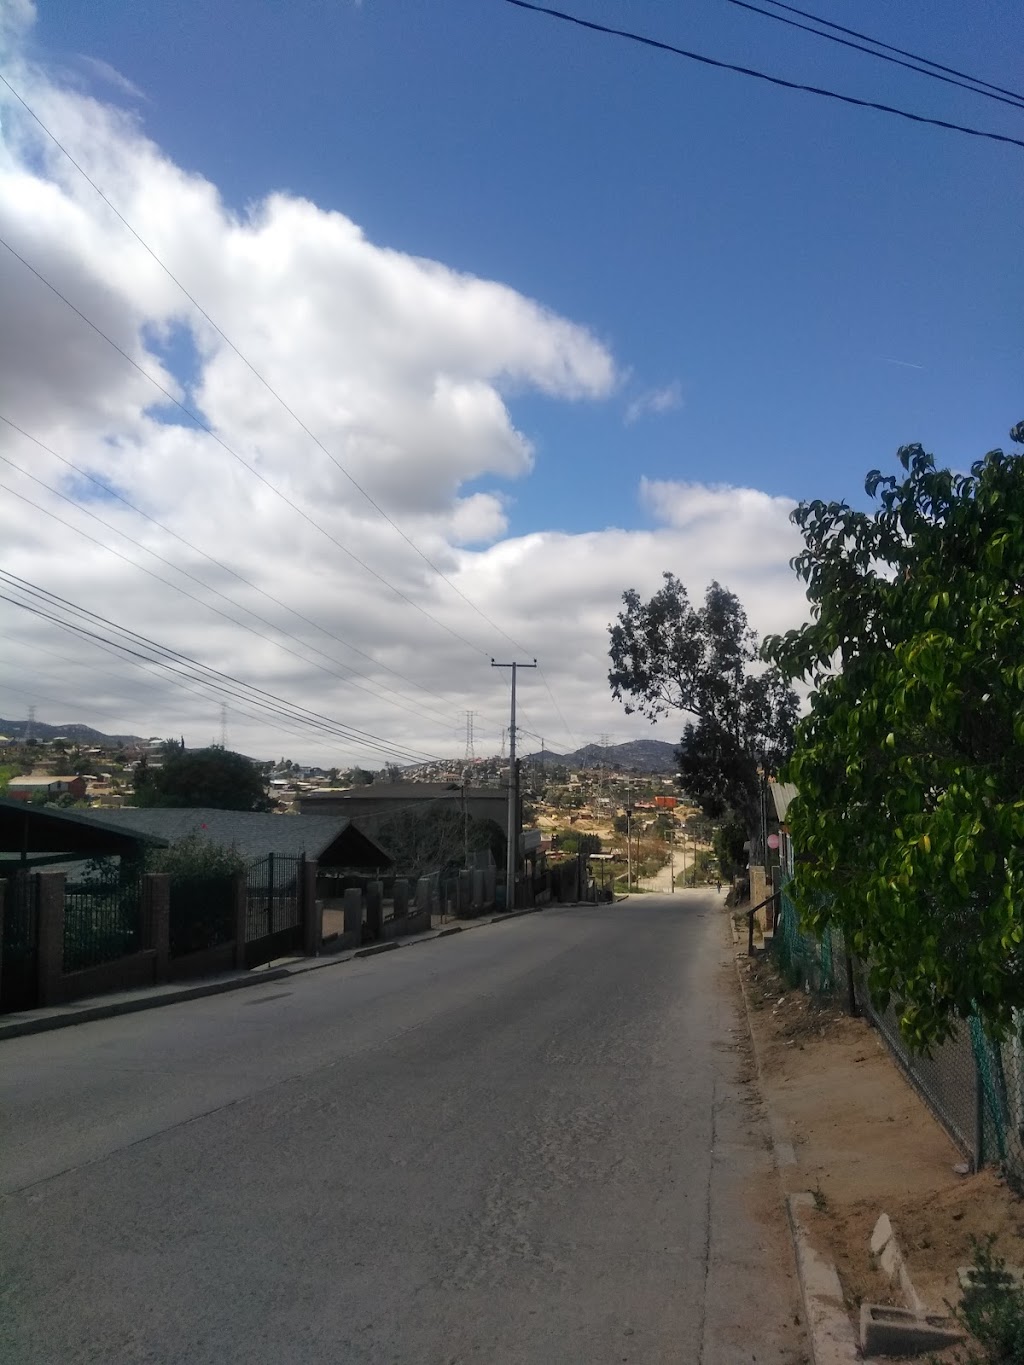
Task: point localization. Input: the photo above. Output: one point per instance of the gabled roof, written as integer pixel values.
(333, 840)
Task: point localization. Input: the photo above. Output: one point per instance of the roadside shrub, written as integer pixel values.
(202, 887)
(992, 1310)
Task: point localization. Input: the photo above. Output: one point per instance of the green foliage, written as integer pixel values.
(213, 777)
(910, 819)
(670, 656)
(195, 857)
(727, 841)
(202, 890)
(992, 1310)
(7, 771)
(574, 841)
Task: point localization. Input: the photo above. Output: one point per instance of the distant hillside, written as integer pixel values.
(636, 755)
(78, 734)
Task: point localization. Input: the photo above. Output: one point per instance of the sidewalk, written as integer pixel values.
(154, 997)
(848, 1127)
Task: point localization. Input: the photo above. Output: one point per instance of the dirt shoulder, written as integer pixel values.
(865, 1143)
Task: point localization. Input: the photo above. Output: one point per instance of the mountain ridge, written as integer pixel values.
(634, 755)
(79, 734)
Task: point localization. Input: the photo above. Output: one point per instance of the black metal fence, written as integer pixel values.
(202, 913)
(273, 911)
(19, 984)
(102, 921)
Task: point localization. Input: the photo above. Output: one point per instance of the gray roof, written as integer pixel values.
(47, 829)
(782, 795)
(252, 834)
(406, 792)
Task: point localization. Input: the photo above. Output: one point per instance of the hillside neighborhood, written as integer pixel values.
(512, 684)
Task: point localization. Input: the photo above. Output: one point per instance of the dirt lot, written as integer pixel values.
(866, 1143)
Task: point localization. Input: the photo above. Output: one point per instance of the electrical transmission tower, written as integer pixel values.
(603, 741)
(30, 728)
(470, 751)
(223, 726)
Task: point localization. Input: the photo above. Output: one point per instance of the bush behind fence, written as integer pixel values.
(102, 921)
(973, 1086)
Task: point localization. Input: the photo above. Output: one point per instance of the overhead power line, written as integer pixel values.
(902, 51)
(55, 608)
(205, 426)
(374, 689)
(379, 688)
(255, 372)
(177, 587)
(111, 492)
(195, 418)
(967, 83)
(656, 43)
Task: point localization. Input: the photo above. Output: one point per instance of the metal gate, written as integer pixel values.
(273, 910)
(19, 975)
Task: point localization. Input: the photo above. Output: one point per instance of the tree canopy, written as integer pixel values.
(909, 825)
(212, 777)
(668, 655)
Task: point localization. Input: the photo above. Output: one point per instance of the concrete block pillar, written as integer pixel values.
(241, 907)
(352, 909)
(758, 891)
(312, 911)
(476, 893)
(465, 892)
(50, 935)
(400, 897)
(156, 921)
(375, 909)
(423, 895)
(490, 883)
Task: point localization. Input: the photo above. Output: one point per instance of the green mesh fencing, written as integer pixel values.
(816, 965)
(973, 1086)
(1000, 1069)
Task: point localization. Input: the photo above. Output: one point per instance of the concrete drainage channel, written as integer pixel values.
(883, 1330)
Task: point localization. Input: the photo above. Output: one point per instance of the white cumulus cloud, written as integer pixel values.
(403, 369)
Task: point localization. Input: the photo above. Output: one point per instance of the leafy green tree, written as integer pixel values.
(575, 841)
(212, 777)
(727, 841)
(909, 825)
(668, 655)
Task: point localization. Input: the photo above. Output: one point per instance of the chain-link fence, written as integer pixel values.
(973, 1086)
(817, 965)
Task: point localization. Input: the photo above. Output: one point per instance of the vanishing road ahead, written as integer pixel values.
(534, 1142)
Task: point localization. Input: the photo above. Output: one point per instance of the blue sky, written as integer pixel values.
(717, 297)
(769, 253)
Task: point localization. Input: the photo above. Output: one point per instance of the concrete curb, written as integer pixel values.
(376, 948)
(782, 1147)
(110, 1009)
(19, 1028)
(833, 1339)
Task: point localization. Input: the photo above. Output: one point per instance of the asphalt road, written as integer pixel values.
(534, 1142)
